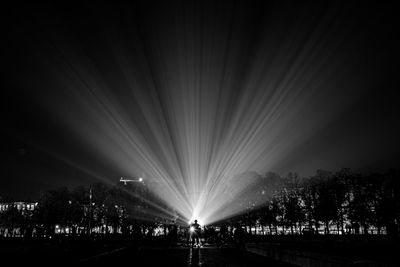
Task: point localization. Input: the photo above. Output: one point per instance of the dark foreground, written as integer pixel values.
(209, 256)
(297, 250)
(117, 255)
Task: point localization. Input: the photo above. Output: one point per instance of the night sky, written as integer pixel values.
(94, 92)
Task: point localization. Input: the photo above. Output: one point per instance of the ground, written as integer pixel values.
(121, 254)
(183, 256)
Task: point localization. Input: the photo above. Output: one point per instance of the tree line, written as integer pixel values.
(343, 202)
(327, 202)
(106, 208)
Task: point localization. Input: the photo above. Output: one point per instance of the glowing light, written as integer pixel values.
(191, 229)
(200, 130)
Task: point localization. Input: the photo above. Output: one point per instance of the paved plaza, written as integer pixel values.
(183, 256)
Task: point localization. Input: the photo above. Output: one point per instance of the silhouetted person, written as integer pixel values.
(195, 233)
(149, 233)
(224, 232)
(356, 228)
(173, 233)
(212, 234)
(239, 236)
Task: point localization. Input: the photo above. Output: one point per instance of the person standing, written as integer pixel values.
(195, 231)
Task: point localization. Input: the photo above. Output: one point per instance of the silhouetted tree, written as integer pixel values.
(325, 206)
(308, 195)
(78, 200)
(360, 204)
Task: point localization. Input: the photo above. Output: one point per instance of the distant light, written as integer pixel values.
(140, 179)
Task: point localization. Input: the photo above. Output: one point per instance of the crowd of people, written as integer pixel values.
(195, 235)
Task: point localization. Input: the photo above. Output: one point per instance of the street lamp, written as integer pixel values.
(139, 180)
(125, 181)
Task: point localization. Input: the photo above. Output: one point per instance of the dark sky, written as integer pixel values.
(93, 92)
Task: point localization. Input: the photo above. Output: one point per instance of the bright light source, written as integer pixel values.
(199, 155)
(191, 229)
